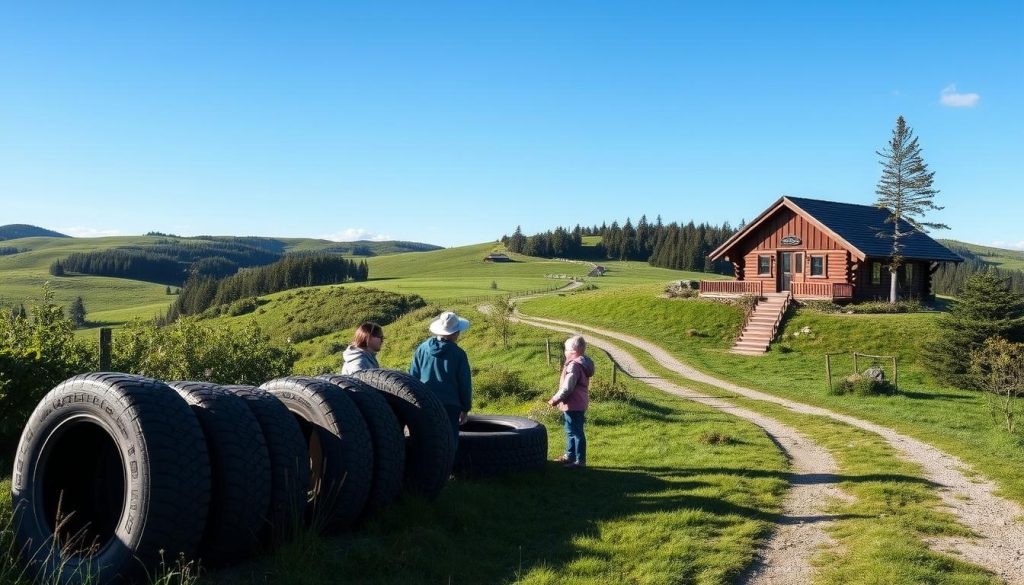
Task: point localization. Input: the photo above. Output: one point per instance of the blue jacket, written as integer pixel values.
(444, 367)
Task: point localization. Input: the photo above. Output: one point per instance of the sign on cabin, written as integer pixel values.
(791, 241)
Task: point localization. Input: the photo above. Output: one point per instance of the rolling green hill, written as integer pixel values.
(14, 231)
(998, 257)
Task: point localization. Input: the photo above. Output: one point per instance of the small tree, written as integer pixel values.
(501, 318)
(986, 308)
(905, 190)
(998, 368)
(77, 312)
(57, 269)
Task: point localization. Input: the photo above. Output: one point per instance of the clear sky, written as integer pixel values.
(452, 123)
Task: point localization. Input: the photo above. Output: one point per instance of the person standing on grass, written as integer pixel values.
(572, 399)
(444, 368)
(361, 354)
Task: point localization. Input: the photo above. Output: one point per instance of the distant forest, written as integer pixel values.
(173, 261)
(680, 247)
(950, 277)
(293, 271)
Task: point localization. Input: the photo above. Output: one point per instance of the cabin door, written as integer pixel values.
(785, 270)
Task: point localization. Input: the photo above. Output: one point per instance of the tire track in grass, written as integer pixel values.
(800, 532)
(997, 522)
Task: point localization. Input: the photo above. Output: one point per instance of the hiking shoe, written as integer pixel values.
(561, 459)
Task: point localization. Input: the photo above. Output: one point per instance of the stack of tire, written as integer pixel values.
(115, 473)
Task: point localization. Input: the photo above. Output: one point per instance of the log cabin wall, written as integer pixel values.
(868, 290)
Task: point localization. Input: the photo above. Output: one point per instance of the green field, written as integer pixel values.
(998, 257)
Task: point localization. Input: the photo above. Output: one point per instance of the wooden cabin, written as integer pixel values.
(497, 257)
(827, 250)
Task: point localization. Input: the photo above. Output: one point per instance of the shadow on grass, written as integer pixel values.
(796, 478)
(499, 530)
(934, 396)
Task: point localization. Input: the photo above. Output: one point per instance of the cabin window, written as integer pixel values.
(876, 273)
(799, 268)
(908, 275)
(764, 265)
(817, 266)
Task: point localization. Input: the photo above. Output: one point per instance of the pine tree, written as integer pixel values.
(77, 312)
(905, 190)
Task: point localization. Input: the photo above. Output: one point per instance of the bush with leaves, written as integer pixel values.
(604, 390)
(38, 350)
(987, 308)
(998, 368)
(497, 383)
(191, 350)
(859, 385)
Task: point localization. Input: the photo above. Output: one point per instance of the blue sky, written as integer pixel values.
(452, 123)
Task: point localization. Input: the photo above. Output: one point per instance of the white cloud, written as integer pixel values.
(1009, 245)
(951, 98)
(353, 234)
(88, 232)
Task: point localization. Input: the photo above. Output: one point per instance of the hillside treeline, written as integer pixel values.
(172, 261)
(949, 279)
(202, 292)
(680, 247)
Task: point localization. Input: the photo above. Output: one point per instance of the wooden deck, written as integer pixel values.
(835, 291)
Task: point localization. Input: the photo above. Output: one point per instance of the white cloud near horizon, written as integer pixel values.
(1009, 245)
(951, 98)
(354, 234)
(88, 232)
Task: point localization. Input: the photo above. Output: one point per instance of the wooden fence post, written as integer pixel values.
(895, 374)
(828, 371)
(615, 368)
(855, 369)
(104, 349)
(547, 348)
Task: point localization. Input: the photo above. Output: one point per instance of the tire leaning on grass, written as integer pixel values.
(491, 444)
(340, 448)
(429, 448)
(239, 470)
(289, 463)
(387, 438)
(111, 475)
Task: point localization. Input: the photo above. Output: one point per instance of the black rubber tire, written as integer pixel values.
(429, 449)
(123, 460)
(289, 463)
(491, 444)
(239, 468)
(340, 448)
(388, 441)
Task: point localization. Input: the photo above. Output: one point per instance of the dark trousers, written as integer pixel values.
(575, 439)
(453, 418)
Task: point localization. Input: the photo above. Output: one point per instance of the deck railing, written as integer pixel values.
(824, 290)
(731, 287)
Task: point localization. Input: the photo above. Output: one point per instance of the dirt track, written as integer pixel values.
(998, 522)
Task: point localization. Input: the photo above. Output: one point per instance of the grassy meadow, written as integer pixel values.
(954, 420)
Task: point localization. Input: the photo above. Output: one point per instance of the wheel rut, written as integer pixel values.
(998, 523)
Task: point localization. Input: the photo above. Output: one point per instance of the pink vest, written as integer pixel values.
(579, 398)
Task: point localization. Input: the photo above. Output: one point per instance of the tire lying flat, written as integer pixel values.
(122, 462)
(239, 468)
(429, 449)
(491, 444)
(340, 448)
(289, 463)
(387, 438)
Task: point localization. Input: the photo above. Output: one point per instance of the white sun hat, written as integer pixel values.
(448, 323)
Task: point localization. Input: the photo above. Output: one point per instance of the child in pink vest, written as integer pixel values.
(572, 399)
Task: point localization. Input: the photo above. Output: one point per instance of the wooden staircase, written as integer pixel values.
(762, 324)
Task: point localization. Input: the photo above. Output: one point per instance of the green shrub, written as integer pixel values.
(711, 437)
(497, 383)
(859, 385)
(243, 306)
(866, 308)
(603, 390)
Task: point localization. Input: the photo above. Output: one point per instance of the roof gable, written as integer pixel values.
(854, 226)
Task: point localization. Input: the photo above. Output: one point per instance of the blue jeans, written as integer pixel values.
(575, 439)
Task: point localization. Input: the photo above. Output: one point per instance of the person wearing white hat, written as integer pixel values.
(443, 367)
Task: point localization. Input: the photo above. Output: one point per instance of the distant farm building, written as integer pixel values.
(497, 257)
(597, 271)
(823, 249)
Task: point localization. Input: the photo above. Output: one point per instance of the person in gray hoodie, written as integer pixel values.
(361, 354)
(444, 368)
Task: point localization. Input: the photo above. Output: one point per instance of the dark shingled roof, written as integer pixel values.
(860, 224)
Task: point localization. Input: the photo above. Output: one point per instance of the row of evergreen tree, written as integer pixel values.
(949, 279)
(293, 271)
(681, 247)
(172, 261)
